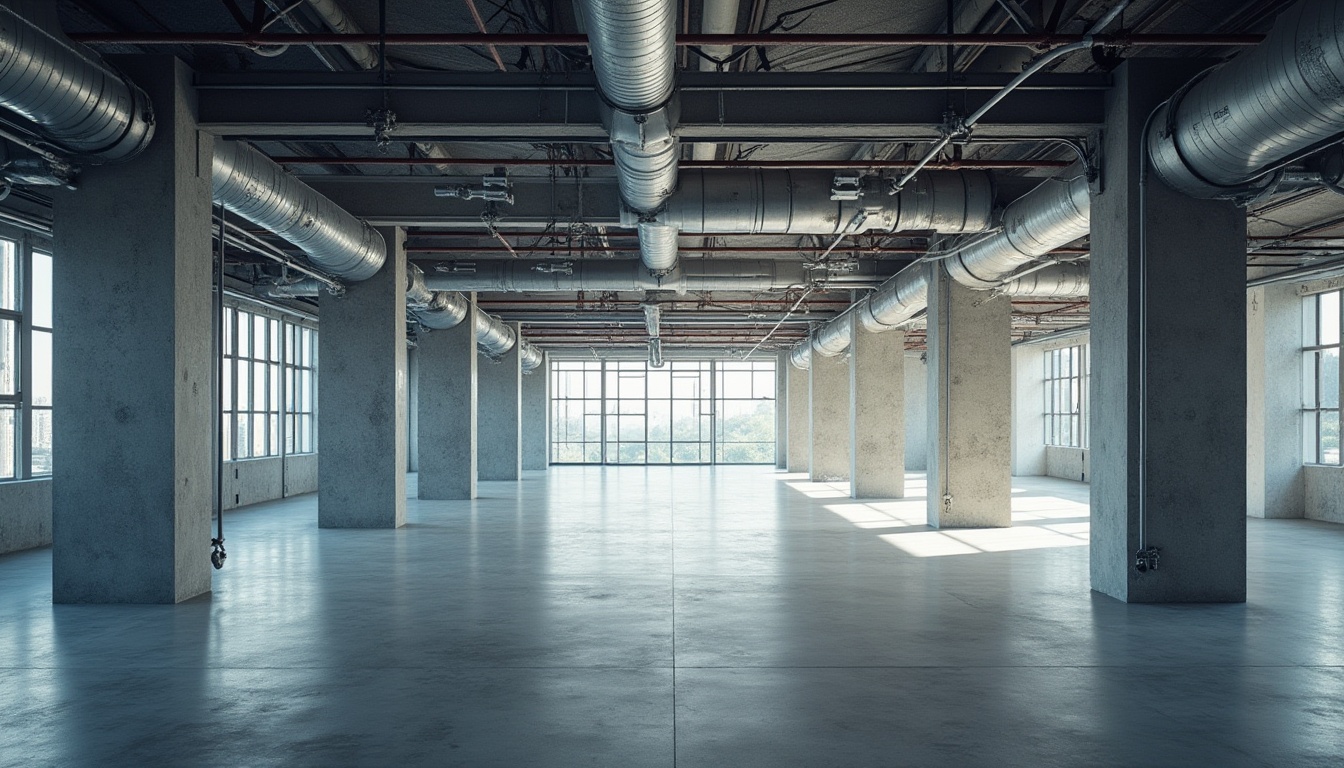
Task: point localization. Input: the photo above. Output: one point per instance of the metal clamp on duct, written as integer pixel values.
(824, 203)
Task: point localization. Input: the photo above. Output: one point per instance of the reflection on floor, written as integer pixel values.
(729, 616)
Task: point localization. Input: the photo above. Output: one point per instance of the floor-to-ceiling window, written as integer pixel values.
(685, 412)
(1066, 373)
(270, 383)
(25, 358)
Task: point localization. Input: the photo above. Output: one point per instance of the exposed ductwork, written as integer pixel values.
(436, 310)
(250, 185)
(826, 203)
(653, 318)
(1056, 281)
(1052, 215)
(502, 276)
(79, 104)
(1222, 136)
(717, 17)
(633, 45)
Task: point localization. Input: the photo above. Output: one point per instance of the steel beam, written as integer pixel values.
(715, 107)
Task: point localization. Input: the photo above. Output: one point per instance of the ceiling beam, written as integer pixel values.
(715, 106)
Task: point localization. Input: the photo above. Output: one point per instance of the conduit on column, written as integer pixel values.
(1223, 135)
(633, 45)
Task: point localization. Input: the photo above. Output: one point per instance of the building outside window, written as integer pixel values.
(269, 405)
(25, 359)
(1066, 373)
(686, 412)
(1320, 378)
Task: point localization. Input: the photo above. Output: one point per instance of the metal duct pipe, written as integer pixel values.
(79, 103)
(438, 310)
(1058, 281)
(804, 202)
(700, 275)
(253, 187)
(801, 356)
(653, 317)
(897, 300)
(445, 310)
(633, 45)
(1221, 136)
(1053, 214)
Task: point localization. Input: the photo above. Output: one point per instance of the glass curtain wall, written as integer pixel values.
(687, 412)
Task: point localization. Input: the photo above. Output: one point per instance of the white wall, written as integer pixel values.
(1276, 485)
(916, 413)
(1028, 410)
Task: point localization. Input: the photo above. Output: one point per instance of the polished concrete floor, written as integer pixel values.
(690, 616)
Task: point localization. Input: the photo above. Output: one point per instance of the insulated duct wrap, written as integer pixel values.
(799, 202)
(78, 102)
(1283, 98)
(633, 47)
(494, 335)
(252, 186)
(1053, 214)
(529, 355)
(897, 300)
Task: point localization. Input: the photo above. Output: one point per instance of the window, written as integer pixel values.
(1066, 372)
(25, 360)
(269, 405)
(745, 402)
(686, 412)
(1320, 378)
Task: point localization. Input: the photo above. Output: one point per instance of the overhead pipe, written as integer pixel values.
(436, 310)
(823, 203)
(717, 17)
(589, 275)
(1050, 216)
(250, 185)
(1056, 281)
(80, 105)
(633, 47)
(1225, 134)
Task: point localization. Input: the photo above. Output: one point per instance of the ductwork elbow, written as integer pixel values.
(801, 355)
(1220, 137)
(77, 101)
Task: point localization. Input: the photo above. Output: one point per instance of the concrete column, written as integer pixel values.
(970, 402)
(876, 413)
(829, 419)
(500, 417)
(362, 424)
(1275, 478)
(446, 362)
(799, 421)
(537, 416)
(916, 412)
(413, 410)
(133, 475)
(782, 411)
(1175, 332)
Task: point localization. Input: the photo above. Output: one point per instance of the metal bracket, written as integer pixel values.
(383, 122)
(1145, 560)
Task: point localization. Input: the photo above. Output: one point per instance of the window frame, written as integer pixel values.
(26, 244)
(1312, 348)
(280, 368)
(1055, 381)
